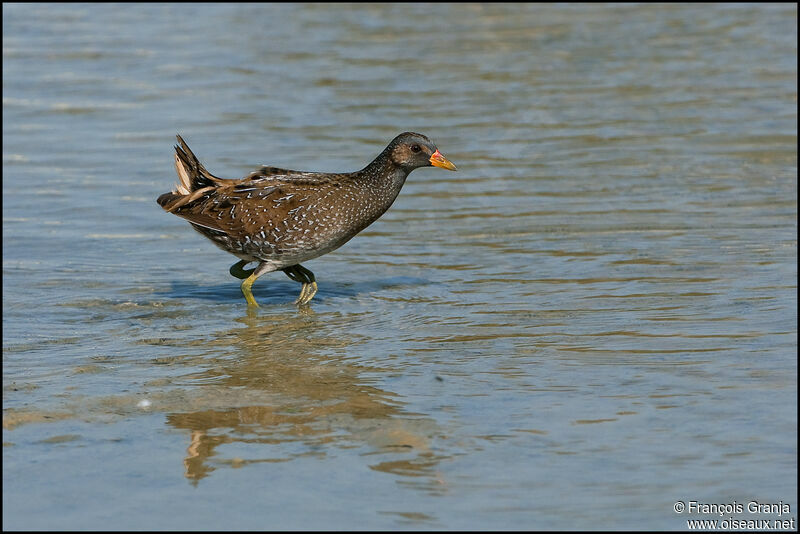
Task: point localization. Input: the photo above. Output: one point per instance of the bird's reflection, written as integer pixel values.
(282, 386)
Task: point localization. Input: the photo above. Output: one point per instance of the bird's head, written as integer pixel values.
(412, 150)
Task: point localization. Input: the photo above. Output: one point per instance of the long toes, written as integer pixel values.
(301, 299)
(313, 290)
(306, 294)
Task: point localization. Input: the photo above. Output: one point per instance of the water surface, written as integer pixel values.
(593, 319)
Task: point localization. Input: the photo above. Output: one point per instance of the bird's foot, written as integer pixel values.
(306, 294)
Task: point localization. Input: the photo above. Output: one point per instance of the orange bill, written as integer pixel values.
(438, 160)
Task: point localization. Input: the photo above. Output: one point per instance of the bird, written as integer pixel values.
(281, 218)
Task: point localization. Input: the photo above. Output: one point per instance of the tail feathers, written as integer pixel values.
(167, 199)
(191, 173)
(194, 181)
(176, 199)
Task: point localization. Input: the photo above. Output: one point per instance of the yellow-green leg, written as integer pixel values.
(306, 294)
(298, 273)
(248, 293)
(309, 287)
(262, 268)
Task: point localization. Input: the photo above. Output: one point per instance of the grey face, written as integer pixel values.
(412, 150)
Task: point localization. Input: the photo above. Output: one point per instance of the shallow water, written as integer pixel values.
(593, 319)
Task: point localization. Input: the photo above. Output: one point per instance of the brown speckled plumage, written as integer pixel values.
(280, 217)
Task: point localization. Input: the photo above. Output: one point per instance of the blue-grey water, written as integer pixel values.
(594, 318)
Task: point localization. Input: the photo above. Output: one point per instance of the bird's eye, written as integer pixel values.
(415, 148)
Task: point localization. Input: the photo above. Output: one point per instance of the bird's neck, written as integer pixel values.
(381, 182)
(382, 173)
